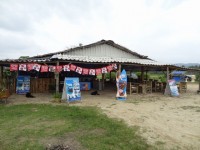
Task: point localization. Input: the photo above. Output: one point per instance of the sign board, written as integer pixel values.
(71, 90)
(23, 84)
(121, 86)
(171, 88)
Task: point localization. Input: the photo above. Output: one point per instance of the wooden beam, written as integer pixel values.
(168, 73)
(120, 68)
(57, 78)
(103, 80)
(142, 74)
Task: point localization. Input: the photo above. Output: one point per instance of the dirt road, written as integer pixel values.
(167, 122)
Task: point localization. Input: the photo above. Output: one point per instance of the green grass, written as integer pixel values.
(34, 126)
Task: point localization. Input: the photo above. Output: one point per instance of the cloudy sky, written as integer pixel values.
(165, 30)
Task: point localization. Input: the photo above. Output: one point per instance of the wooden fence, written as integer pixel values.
(42, 85)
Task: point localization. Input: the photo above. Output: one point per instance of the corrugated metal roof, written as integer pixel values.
(106, 60)
(109, 42)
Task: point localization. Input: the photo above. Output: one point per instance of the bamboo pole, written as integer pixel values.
(57, 78)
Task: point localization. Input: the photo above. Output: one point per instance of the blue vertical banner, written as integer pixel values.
(23, 84)
(71, 90)
(121, 86)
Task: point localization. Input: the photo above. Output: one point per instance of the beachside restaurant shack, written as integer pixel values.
(87, 62)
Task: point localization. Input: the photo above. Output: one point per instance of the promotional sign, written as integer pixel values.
(71, 90)
(23, 84)
(121, 85)
(171, 88)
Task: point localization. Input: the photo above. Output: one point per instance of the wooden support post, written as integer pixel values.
(110, 76)
(103, 80)
(142, 74)
(146, 75)
(120, 68)
(57, 78)
(167, 74)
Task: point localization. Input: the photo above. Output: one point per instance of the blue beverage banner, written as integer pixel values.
(73, 89)
(23, 84)
(121, 84)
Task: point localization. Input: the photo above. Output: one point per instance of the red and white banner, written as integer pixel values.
(52, 68)
(66, 68)
(22, 67)
(44, 68)
(36, 67)
(109, 68)
(98, 71)
(72, 67)
(92, 72)
(114, 66)
(104, 70)
(13, 67)
(85, 71)
(79, 70)
(59, 68)
(30, 67)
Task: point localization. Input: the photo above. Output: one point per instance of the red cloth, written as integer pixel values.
(44, 68)
(58, 68)
(14, 67)
(98, 71)
(73, 67)
(22, 67)
(30, 67)
(85, 71)
(109, 68)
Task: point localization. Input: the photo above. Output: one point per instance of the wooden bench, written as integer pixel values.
(4, 94)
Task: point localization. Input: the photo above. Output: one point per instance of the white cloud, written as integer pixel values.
(165, 30)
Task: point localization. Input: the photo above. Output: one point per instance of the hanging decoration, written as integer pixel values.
(52, 68)
(72, 67)
(104, 70)
(44, 68)
(66, 68)
(36, 67)
(92, 72)
(85, 71)
(79, 70)
(98, 71)
(13, 67)
(59, 68)
(22, 67)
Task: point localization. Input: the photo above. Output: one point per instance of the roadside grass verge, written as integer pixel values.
(37, 126)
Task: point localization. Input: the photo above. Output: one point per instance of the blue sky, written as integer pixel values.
(165, 30)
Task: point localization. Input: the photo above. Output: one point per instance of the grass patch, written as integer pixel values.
(35, 126)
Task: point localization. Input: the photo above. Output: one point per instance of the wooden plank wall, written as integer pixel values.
(41, 85)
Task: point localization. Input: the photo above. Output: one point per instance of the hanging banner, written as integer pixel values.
(121, 82)
(85, 71)
(98, 71)
(52, 68)
(104, 70)
(23, 84)
(71, 90)
(171, 88)
(30, 67)
(109, 68)
(59, 68)
(13, 67)
(66, 68)
(44, 68)
(92, 72)
(79, 70)
(114, 66)
(36, 67)
(22, 67)
(72, 67)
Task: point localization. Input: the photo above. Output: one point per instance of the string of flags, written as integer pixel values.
(68, 67)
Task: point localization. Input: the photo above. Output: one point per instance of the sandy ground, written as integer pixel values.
(167, 122)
